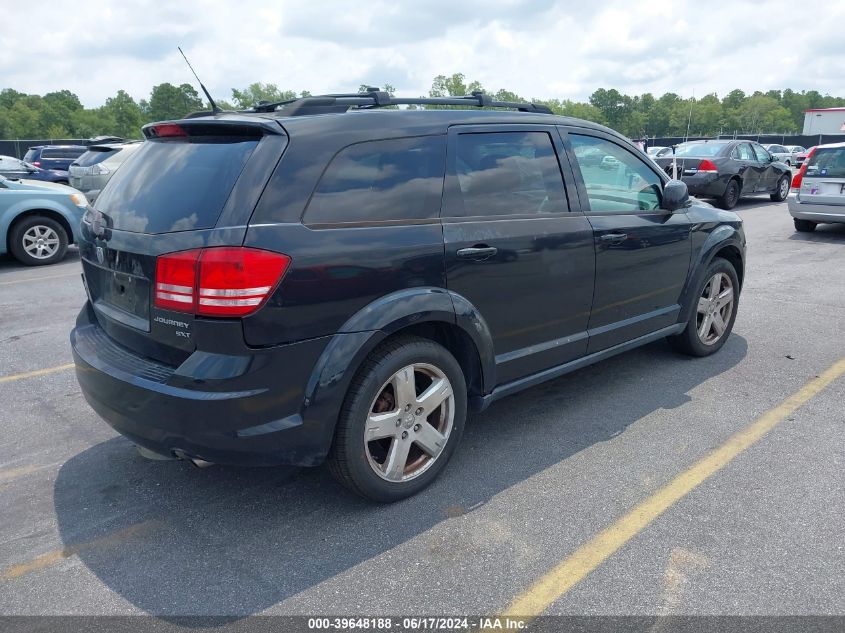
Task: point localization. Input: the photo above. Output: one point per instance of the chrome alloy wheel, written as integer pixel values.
(41, 242)
(783, 188)
(715, 308)
(409, 422)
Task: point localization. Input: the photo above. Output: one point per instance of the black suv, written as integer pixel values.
(331, 278)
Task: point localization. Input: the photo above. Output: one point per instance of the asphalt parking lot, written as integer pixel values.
(90, 527)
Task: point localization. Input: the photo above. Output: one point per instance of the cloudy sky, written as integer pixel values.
(537, 48)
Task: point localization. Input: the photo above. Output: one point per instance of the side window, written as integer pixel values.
(616, 180)
(762, 155)
(396, 179)
(743, 152)
(506, 173)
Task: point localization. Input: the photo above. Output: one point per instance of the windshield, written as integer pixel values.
(699, 149)
(175, 185)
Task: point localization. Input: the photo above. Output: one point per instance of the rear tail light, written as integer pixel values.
(37, 163)
(165, 130)
(797, 178)
(222, 281)
(707, 167)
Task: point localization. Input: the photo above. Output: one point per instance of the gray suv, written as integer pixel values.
(90, 172)
(821, 188)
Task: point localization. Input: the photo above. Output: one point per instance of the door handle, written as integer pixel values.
(614, 238)
(478, 253)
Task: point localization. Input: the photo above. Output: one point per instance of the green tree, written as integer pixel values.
(126, 113)
(172, 102)
(257, 92)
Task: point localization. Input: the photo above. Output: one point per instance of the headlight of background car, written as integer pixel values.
(79, 200)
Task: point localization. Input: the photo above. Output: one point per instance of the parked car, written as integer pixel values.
(15, 168)
(796, 151)
(38, 220)
(54, 156)
(212, 332)
(90, 172)
(657, 151)
(800, 157)
(728, 170)
(780, 152)
(820, 183)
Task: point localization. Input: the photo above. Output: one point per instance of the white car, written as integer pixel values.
(821, 188)
(610, 162)
(656, 151)
(795, 150)
(781, 153)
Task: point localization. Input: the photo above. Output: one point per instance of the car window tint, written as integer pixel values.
(616, 180)
(175, 185)
(506, 173)
(30, 155)
(396, 179)
(761, 154)
(827, 163)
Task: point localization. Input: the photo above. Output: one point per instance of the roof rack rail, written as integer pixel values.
(323, 104)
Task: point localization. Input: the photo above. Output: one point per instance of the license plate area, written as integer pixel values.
(119, 296)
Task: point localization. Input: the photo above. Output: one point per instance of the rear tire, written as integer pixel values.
(401, 421)
(729, 199)
(712, 311)
(36, 240)
(782, 190)
(804, 226)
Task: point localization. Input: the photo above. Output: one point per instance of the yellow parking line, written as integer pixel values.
(593, 553)
(20, 471)
(20, 281)
(37, 372)
(54, 556)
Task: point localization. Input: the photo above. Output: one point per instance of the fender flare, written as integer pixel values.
(333, 372)
(722, 236)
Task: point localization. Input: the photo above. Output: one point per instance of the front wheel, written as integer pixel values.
(731, 196)
(781, 191)
(37, 240)
(804, 226)
(401, 421)
(713, 311)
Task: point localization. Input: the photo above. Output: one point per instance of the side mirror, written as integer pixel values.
(675, 195)
(773, 158)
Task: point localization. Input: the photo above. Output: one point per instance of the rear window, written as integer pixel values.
(175, 185)
(699, 149)
(62, 152)
(827, 163)
(94, 156)
(30, 155)
(376, 181)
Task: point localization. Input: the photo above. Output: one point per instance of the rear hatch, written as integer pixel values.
(85, 172)
(823, 179)
(192, 185)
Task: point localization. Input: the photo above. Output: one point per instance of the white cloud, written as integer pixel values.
(535, 48)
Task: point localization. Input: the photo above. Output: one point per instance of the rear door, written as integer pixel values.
(749, 167)
(194, 188)
(642, 251)
(516, 246)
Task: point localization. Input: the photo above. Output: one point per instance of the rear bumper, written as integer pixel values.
(823, 213)
(705, 185)
(240, 410)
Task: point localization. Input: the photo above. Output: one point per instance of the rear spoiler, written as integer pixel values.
(240, 126)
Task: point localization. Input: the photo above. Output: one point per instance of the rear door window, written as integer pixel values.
(175, 185)
(827, 163)
(506, 173)
(377, 181)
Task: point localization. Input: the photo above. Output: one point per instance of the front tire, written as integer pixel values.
(729, 199)
(782, 190)
(401, 421)
(713, 311)
(804, 226)
(38, 240)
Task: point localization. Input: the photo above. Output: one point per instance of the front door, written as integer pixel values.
(514, 249)
(642, 251)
